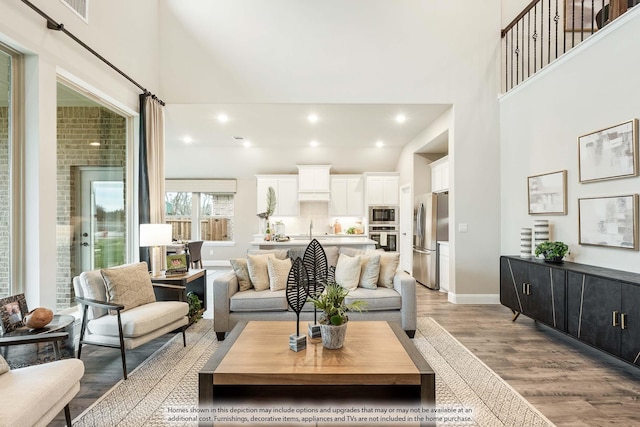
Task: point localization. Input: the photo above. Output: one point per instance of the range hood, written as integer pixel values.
(314, 184)
(314, 197)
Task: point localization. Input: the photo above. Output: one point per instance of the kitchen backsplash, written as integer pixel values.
(318, 212)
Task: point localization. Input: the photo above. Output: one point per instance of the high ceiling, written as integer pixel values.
(280, 126)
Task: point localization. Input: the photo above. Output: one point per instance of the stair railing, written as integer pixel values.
(546, 29)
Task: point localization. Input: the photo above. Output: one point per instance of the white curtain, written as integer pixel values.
(154, 123)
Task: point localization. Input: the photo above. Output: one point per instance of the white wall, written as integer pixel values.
(113, 34)
(592, 87)
(361, 51)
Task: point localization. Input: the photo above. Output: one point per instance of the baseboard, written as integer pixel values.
(474, 298)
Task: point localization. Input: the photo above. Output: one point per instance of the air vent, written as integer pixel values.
(81, 7)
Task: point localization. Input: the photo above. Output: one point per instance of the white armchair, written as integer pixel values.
(120, 309)
(34, 395)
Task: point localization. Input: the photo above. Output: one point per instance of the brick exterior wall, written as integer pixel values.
(4, 200)
(77, 127)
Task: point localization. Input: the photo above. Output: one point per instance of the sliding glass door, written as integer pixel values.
(92, 207)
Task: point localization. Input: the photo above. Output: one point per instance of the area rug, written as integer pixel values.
(169, 380)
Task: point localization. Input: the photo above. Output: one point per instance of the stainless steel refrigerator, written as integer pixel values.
(431, 225)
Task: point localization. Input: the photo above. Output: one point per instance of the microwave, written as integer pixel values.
(383, 215)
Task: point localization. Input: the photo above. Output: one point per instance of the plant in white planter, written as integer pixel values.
(333, 322)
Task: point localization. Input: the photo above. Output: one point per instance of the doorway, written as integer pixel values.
(101, 199)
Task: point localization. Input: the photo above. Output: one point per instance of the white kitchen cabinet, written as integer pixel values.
(383, 190)
(347, 196)
(286, 188)
(440, 175)
(313, 178)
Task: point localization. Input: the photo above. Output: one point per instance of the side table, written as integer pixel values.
(32, 354)
(195, 280)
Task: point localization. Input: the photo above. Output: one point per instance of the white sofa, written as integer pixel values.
(34, 395)
(232, 305)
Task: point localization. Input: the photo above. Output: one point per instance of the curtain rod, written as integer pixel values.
(53, 25)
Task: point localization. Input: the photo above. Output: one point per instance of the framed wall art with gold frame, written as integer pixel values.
(609, 153)
(547, 193)
(609, 221)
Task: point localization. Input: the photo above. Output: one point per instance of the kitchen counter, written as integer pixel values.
(354, 242)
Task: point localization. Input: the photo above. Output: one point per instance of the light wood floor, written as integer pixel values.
(571, 383)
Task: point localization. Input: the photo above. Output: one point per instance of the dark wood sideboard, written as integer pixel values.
(598, 306)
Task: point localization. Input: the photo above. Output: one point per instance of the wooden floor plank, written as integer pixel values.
(571, 383)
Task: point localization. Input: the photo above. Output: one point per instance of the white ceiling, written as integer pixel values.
(281, 126)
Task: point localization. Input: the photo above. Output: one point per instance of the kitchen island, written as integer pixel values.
(325, 240)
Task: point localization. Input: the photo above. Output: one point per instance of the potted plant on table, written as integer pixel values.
(552, 251)
(333, 322)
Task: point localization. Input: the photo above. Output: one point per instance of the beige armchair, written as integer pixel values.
(34, 395)
(120, 309)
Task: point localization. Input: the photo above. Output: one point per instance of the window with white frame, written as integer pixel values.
(200, 215)
(11, 266)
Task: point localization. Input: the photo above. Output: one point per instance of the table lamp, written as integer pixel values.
(155, 235)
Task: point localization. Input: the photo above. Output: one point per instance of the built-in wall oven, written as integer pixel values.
(383, 215)
(386, 237)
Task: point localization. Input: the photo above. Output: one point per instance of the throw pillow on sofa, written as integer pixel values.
(370, 271)
(388, 266)
(258, 271)
(348, 271)
(241, 269)
(129, 285)
(278, 270)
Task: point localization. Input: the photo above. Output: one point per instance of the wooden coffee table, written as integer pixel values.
(378, 363)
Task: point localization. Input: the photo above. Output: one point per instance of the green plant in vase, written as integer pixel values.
(271, 207)
(332, 304)
(333, 321)
(552, 251)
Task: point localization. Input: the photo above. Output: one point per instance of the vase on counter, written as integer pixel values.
(540, 231)
(267, 233)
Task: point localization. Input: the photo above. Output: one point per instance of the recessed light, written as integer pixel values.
(379, 144)
(313, 143)
(95, 144)
(246, 143)
(187, 139)
(401, 118)
(223, 118)
(313, 118)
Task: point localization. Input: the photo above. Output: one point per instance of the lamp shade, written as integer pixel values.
(155, 234)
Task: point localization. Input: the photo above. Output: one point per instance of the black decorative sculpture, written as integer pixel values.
(315, 262)
(297, 293)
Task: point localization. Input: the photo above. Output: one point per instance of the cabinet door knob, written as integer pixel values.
(614, 321)
(623, 321)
